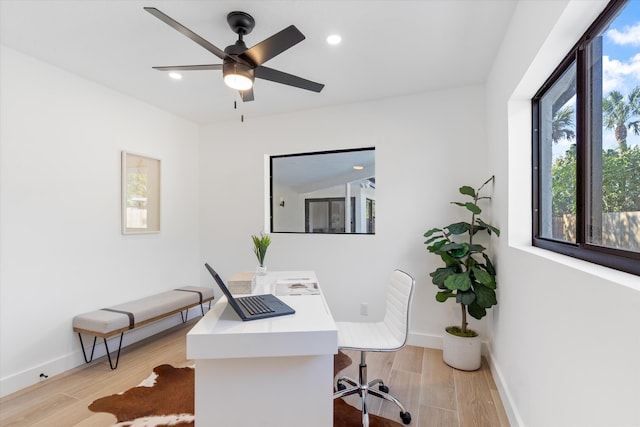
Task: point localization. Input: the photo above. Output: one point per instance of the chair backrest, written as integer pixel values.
(399, 295)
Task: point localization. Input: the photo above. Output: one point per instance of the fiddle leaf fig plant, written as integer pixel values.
(468, 275)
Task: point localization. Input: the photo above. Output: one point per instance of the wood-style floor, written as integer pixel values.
(435, 394)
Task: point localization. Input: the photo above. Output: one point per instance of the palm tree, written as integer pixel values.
(619, 114)
(562, 125)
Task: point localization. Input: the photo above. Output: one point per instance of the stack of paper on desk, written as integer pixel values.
(297, 286)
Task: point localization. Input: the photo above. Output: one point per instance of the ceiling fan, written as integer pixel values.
(241, 65)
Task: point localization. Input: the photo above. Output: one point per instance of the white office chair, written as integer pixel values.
(388, 335)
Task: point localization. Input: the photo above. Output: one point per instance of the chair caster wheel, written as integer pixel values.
(383, 388)
(341, 386)
(406, 417)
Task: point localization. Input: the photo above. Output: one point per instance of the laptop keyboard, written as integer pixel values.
(254, 305)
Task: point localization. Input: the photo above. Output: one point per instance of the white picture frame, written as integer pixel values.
(140, 194)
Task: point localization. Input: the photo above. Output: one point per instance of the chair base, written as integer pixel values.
(364, 388)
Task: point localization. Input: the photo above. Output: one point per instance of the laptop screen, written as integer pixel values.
(224, 289)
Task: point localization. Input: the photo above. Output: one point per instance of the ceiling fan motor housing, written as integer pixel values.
(231, 67)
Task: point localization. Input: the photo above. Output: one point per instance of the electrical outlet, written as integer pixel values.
(364, 308)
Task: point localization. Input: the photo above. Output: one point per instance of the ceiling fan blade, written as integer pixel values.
(189, 67)
(246, 95)
(187, 32)
(274, 45)
(287, 79)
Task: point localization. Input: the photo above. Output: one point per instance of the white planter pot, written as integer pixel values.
(462, 353)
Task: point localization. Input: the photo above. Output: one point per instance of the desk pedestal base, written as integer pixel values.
(266, 392)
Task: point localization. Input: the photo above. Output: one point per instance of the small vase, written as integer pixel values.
(261, 270)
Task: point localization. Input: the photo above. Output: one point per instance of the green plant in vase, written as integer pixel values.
(468, 275)
(260, 245)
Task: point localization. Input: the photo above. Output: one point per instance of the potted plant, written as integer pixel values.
(260, 245)
(468, 275)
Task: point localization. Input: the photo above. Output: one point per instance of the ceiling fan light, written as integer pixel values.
(237, 76)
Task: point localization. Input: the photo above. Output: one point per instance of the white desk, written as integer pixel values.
(273, 372)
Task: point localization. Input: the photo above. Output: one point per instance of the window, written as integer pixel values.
(328, 215)
(586, 146)
(329, 192)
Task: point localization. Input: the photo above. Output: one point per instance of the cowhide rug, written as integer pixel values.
(166, 399)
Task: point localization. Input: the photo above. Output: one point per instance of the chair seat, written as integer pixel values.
(368, 336)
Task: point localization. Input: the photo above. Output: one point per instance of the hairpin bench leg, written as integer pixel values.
(202, 308)
(185, 316)
(109, 353)
(84, 353)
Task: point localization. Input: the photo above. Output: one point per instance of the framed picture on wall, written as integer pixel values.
(140, 194)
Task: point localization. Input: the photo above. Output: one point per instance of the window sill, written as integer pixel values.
(623, 279)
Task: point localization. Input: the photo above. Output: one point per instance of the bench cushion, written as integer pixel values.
(104, 322)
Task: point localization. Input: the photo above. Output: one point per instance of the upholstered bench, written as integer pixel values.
(108, 322)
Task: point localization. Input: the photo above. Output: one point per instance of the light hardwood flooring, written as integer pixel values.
(435, 394)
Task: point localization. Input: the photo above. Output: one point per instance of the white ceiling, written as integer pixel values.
(389, 48)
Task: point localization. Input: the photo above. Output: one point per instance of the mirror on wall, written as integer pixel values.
(331, 192)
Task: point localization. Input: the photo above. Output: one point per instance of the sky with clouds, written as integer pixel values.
(620, 66)
(621, 60)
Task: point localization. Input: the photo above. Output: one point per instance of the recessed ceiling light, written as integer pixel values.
(334, 39)
(175, 76)
(358, 167)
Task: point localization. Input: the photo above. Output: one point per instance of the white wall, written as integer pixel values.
(566, 345)
(61, 249)
(427, 146)
(563, 340)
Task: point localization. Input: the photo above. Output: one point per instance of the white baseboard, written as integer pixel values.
(425, 340)
(59, 365)
(507, 399)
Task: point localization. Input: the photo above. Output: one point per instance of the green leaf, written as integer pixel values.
(459, 228)
(448, 259)
(483, 277)
(457, 250)
(485, 297)
(476, 311)
(458, 203)
(432, 239)
(435, 248)
(458, 282)
(473, 208)
(465, 298)
(490, 268)
(488, 227)
(444, 295)
(440, 275)
(430, 232)
(476, 248)
(469, 191)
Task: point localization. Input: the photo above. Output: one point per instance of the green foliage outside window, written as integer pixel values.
(620, 167)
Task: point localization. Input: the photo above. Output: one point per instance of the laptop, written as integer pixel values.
(253, 307)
